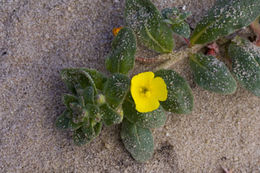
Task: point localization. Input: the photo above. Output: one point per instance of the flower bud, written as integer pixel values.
(100, 99)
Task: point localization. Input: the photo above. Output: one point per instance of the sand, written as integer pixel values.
(39, 38)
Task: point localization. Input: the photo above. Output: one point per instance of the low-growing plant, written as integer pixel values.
(140, 102)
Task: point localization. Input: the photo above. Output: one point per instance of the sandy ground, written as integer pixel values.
(39, 38)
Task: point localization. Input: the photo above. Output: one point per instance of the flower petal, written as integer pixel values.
(159, 89)
(139, 81)
(147, 91)
(143, 78)
(146, 104)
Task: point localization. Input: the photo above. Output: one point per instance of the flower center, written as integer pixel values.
(145, 92)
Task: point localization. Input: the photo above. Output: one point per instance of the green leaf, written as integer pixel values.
(246, 65)
(146, 21)
(98, 128)
(76, 108)
(154, 119)
(73, 77)
(68, 99)
(122, 57)
(88, 95)
(180, 98)
(224, 18)
(212, 74)
(167, 13)
(175, 18)
(175, 13)
(138, 141)
(94, 112)
(74, 126)
(109, 115)
(116, 88)
(80, 138)
(62, 122)
(181, 28)
(89, 132)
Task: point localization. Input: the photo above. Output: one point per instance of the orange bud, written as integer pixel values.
(116, 30)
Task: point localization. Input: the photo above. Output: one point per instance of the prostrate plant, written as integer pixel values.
(140, 103)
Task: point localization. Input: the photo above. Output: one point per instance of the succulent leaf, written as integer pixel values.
(74, 126)
(79, 137)
(154, 119)
(224, 18)
(62, 122)
(89, 132)
(76, 109)
(68, 99)
(122, 57)
(181, 28)
(180, 98)
(98, 128)
(246, 64)
(115, 89)
(88, 95)
(138, 141)
(212, 74)
(73, 77)
(94, 112)
(91, 81)
(147, 22)
(176, 19)
(110, 116)
(169, 12)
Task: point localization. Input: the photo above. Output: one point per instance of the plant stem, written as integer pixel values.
(176, 56)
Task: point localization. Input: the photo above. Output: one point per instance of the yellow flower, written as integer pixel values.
(116, 30)
(147, 91)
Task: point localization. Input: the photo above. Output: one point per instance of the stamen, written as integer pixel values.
(145, 92)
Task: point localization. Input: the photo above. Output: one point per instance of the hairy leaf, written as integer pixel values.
(122, 57)
(74, 126)
(68, 99)
(147, 22)
(73, 78)
(80, 138)
(88, 95)
(180, 98)
(116, 88)
(138, 141)
(246, 64)
(224, 18)
(154, 119)
(212, 74)
(98, 128)
(94, 112)
(176, 18)
(110, 116)
(181, 28)
(62, 122)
